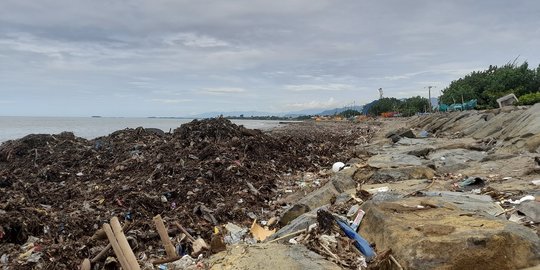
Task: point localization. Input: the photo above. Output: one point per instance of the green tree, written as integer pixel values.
(489, 85)
(413, 105)
(384, 105)
(349, 113)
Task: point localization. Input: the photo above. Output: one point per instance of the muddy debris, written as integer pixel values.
(58, 190)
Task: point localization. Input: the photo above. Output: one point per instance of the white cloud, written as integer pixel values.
(194, 40)
(318, 87)
(223, 90)
(314, 104)
(170, 101)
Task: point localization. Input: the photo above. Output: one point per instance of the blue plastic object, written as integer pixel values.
(360, 243)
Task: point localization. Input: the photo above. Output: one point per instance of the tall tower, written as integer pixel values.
(380, 93)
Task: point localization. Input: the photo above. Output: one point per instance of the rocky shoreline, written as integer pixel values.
(444, 191)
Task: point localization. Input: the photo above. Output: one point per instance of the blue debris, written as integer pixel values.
(360, 243)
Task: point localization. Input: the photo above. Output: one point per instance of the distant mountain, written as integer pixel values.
(235, 114)
(317, 111)
(338, 110)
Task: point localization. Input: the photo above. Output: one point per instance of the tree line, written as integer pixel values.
(488, 85)
(405, 107)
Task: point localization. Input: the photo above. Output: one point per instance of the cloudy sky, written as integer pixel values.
(177, 57)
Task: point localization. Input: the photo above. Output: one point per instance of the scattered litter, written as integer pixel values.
(536, 182)
(260, 233)
(4, 259)
(472, 181)
(338, 166)
(356, 223)
(423, 134)
(524, 199)
(515, 218)
(235, 234)
(359, 242)
(378, 190)
(353, 210)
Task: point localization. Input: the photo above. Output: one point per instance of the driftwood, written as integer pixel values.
(115, 246)
(164, 235)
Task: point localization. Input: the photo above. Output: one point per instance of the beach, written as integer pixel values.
(413, 183)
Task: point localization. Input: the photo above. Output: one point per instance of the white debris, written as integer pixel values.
(338, 166)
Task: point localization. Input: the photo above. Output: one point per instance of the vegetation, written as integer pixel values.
(349, 113)
(529, 99)
(489, 85)
(406, 107)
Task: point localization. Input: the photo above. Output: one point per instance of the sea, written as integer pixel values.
(15, 127)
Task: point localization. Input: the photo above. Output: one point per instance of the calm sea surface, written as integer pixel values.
(87, 127)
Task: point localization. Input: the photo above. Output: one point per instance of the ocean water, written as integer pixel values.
(89, 128)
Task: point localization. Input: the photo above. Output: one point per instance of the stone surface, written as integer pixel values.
(447, 237)
(402, 173)
(339, 183)
(300, 223)
(531, 209)
(270, 257)
(512, 127)
(292, 213)
(320, 196)
(393, 160)
(468, 202)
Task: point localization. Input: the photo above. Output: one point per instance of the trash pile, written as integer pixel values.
(57, 191)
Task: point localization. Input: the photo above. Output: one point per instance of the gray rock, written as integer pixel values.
(420, 152)
(292, 213)
(343, 180)
(468, 202)
(320, 196)
(402, 173)
(531, 209)
(393, 160)
(343, 198)
(300, 223)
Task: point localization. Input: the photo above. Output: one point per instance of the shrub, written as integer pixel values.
(529, 99)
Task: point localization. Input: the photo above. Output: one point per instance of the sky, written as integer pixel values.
(181, 58)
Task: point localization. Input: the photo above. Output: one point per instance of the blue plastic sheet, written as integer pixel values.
(360, 243)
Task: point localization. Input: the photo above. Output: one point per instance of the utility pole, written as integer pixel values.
(429, 95)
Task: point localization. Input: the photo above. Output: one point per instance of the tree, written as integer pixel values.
(489, 85)
(349, 113)
(384, 105)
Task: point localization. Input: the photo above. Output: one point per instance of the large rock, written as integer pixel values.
(513, 128)
(300, 223)
(454, 158)
(339, 182)
(269, 257)
(447, 237)
(393, 160)
(403, 173)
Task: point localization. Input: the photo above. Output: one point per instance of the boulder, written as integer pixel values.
(440, 235)
(300, 223)
(270, 257)
(402, 173)
(393, 160)
(420, 152)
(339, 182)
(531, 209)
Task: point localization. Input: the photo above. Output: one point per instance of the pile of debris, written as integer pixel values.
(56, 191)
